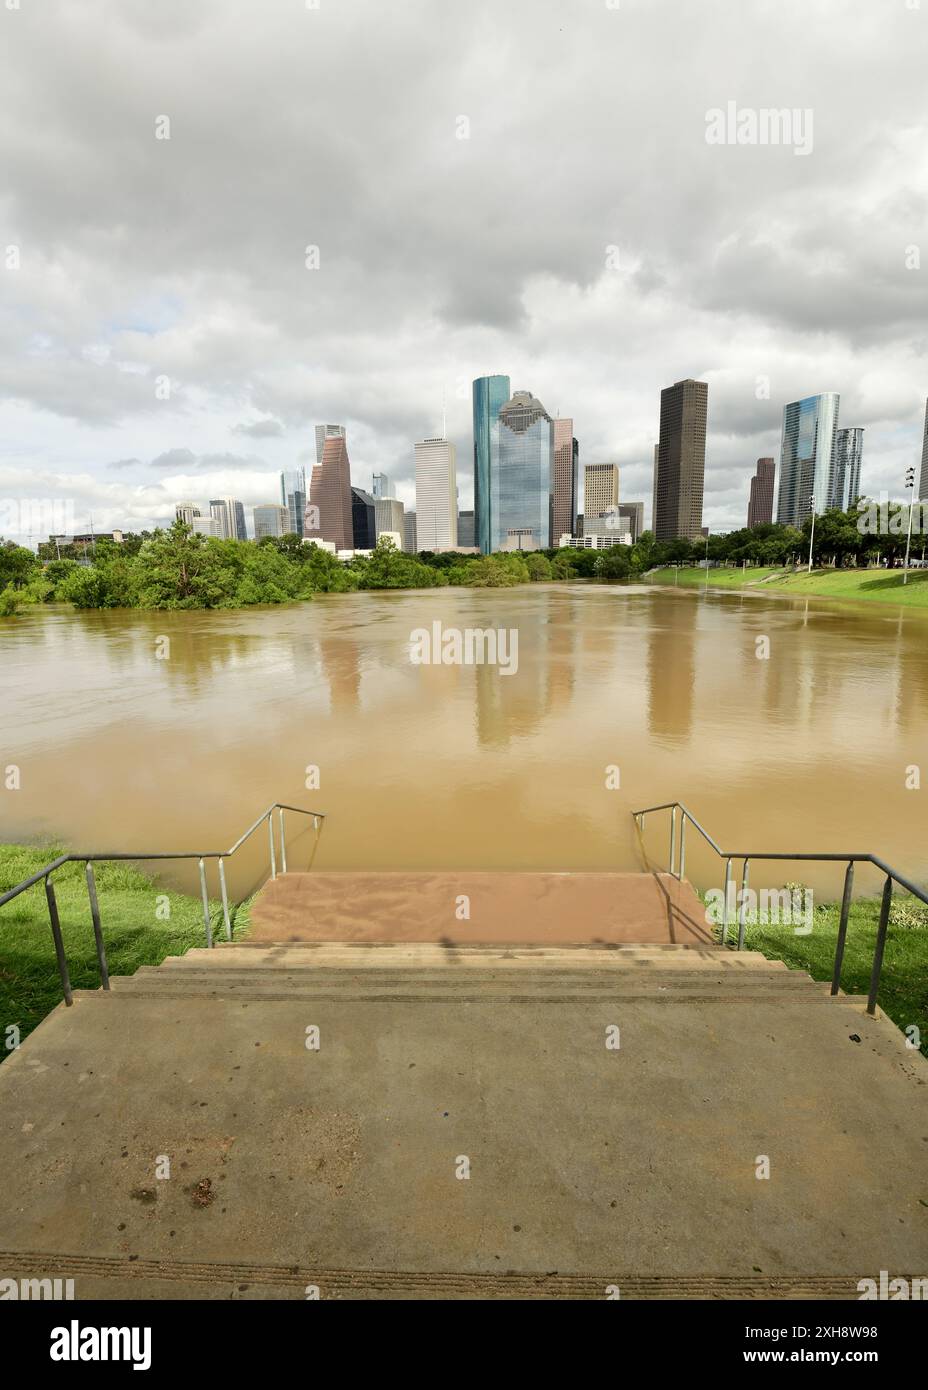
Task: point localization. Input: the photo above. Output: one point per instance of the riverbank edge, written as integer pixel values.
(664, 579)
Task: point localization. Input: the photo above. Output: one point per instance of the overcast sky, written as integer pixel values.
(583, 237)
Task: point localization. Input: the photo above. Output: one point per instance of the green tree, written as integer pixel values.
(615, 563)
(538, 566)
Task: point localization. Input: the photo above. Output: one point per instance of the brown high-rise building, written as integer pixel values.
(760, 507)
(328, 512)
(681, 461)
(564, 482)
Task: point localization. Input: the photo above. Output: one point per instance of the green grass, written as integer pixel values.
(865, 585)
(903, 993)
(735, 578)
(132, 934)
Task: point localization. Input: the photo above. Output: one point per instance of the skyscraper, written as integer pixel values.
(363, 520)
(600, 488)
(382, 487)
(328, 514)
(490, 394)
(465, 529)
(186, 511)
(634, 514)
(410, 533)
(436, 495)
(271, 520)
(681, 461)
(760, 505)
(324, 432)
(293, 497)
(564, 489)
(229, 514)
(849, 454)
(807, 457)
(521, 488)
(923, 480)
(390, 518)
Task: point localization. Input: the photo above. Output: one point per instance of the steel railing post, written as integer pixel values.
(270, 830)
(225, 900)
(59, 944)
(673, 838)
(842, 926)
(725, 901)
(283, 843)
(880, 945)
(742, 910)
(682, 844)
(97, 933)
(205, 896)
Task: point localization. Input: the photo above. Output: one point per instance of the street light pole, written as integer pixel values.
(910, 483)
(812, 535)
(707, 559)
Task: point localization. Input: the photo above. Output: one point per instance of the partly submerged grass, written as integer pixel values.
(865, 585)
(142, 923)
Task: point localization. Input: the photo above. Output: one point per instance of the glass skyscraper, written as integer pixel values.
(293, 497)
(849, 452)
(807, 454)
(522, 486)
(490, 394)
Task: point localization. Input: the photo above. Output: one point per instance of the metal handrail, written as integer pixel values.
(220, 855)
(678, 856)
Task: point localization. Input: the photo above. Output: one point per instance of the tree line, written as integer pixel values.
(178, 568)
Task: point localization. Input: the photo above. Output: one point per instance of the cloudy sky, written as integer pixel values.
(518, 186)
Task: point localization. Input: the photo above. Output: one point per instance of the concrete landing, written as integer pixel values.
(340, 1167)
(530, 908)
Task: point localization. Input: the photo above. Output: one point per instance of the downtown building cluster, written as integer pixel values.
(526, 482)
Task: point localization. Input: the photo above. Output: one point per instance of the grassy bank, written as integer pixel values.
(132, 932)
(904, 980)
(865, 585)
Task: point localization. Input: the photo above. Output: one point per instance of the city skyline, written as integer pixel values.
(149, 355)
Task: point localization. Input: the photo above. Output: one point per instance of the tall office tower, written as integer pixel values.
(564, 490)
(521, 491)
(923, 480)
(760, 505)
(411, 533)
(293, 497)
(206, 526)
(465, 530)
(363, 520)
(186, 511)
(229, 514)
(324, 432)
(328, 512)
(600, 489)
(436, 495)
(849, 455)
(580, 524)
(633, 512)
(681, 461)
(271, 520)
(490, 394)
(807, 457)
(382, 487)
(390, 518)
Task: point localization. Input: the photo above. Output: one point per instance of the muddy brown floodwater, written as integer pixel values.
(432, 766)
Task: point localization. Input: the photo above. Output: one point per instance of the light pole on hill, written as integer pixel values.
(812, 534)
(910, 484)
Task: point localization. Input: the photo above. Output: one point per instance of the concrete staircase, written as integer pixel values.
(320, 1103)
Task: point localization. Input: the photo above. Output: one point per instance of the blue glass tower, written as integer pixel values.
(807, 456)
(522, 487)
(490, 394)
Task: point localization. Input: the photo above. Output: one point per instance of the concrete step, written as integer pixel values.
(230, 955)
